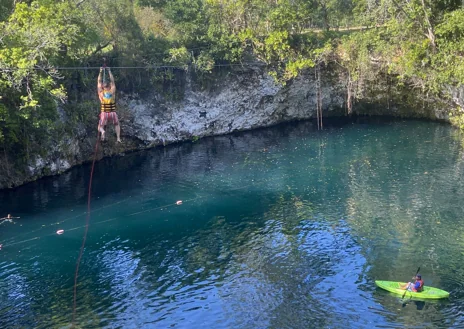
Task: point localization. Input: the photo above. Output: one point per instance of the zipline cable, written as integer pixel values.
(147, 67)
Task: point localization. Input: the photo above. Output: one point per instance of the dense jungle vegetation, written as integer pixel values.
(418, 43)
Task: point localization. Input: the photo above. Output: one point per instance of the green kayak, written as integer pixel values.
(428, 292)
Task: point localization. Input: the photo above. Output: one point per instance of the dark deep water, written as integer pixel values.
(284, 227)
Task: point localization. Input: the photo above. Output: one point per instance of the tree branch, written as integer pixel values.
(101, 47)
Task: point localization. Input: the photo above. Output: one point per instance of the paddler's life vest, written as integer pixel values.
(421, 285)
(108, 103)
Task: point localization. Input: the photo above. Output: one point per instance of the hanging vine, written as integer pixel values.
(349, 95)
(317, 73)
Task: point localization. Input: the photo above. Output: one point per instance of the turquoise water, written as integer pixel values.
(286, 227)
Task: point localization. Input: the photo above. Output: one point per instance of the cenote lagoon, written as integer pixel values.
(286, 227)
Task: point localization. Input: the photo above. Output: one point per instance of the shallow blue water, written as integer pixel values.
(286, 227)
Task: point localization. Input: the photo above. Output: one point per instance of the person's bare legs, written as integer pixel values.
(118, 132)
(405, 286)
(102, 132)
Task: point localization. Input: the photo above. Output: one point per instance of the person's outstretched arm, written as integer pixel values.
(100, 84)
(113, 85)
(100, 80)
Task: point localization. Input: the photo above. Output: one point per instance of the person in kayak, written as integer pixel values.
(417, 286)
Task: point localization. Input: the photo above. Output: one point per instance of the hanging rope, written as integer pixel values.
(81, 252)
(349, 95)
(317, 77)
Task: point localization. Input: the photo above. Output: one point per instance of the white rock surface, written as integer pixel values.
(245, 102)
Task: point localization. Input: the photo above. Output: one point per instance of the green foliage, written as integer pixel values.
(189, 18)
(33, 39)
(179, 57)
(419, 45)
(451, 44)
(6, 7)
(457, 118)
(204, 62)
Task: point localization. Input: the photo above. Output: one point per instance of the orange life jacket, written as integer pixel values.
(108, 103)
(421, 285)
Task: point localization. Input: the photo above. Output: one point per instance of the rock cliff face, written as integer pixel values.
(243, 100)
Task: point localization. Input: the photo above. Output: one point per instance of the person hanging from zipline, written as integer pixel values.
(107, 95)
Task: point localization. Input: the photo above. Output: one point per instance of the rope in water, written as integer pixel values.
(128, 215)
(81, 252)
(103, 221)
(7, 242)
